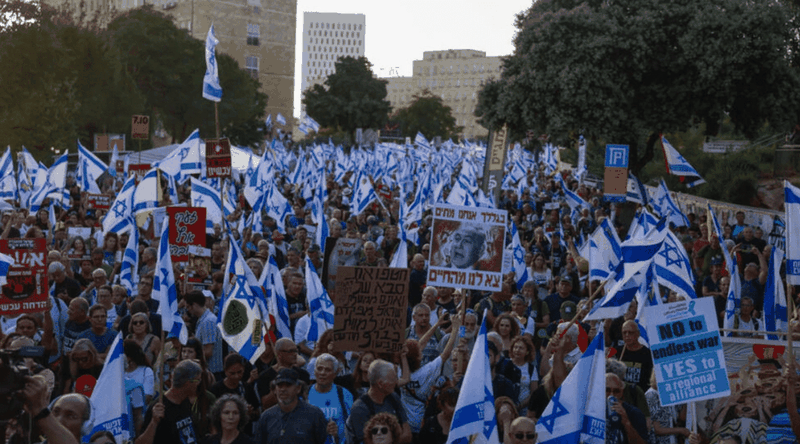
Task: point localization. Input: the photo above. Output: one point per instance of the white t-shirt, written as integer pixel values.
(415, 393)
(301, 332)
(143, 375)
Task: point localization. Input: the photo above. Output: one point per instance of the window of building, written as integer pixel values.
(253, 34)
(251, 65)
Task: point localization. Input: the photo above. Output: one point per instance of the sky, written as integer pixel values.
(397, 35)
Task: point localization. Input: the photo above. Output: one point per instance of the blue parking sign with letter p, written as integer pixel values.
(617, 156)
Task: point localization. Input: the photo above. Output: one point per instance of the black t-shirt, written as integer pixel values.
(538, 401)
(640, 365)
(72, 330)
(71, 286)
(432, 432)
(176, 426)
(244, 390)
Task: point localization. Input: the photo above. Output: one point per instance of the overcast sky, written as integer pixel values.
(397, 33)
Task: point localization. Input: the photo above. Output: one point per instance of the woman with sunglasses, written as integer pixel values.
(140, 332)
(84, 360)
(382, 428)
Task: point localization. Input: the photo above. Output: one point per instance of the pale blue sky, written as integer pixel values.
(397, 33)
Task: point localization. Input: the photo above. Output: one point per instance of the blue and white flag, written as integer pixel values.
(129, 271)
(792, 205)
(8, 178)
(208, 197)
(577, 411)
(678, 166)
(605, 252)
(147, 193)
(280, 119)
(268, 122)
(5, 262)
(422, 142)
(320, 306)
(674, 268)
(90, 169)
(474, 420)
(277, 304)
(118, 218)
(364, 195)
(518, 258)
(775, 308)
(112, 163)
(108, 399)
(668, 208)
(211, 87)
(165, 291)
(277, 207)
(55, 182)
(636, 191)
(185, 159)
(733, 299)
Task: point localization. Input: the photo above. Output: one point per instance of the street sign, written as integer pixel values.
(140, 127)
(218, 158)
(617, 156)
(615, 178)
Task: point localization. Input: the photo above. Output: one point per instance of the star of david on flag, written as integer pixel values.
(240, 321)
(320, 305)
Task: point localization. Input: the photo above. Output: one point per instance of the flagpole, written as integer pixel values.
(789, 333)
(216, 117)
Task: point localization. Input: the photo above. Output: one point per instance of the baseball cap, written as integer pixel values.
(716, 260)
(568, 310)
(286, 375)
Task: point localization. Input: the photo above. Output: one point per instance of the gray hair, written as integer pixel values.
(421, 306)
(430, 290)
(327, 357)
(572, 333)
(184, 372)
(378, 370)
(55, 267)
(616, 367)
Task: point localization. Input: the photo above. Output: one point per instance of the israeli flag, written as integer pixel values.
(8, 179)
(147, 194)
(792, 205)
(118, 218)
(211, 87)
(678, 166)
(518, 258)
(734, 295)
(280, 119)
(605, 252)
(112, 164)
(56, 181)
(185, 159)
(268, 122)
(673, 267)
(207, 197)
(165, 291)
(277, 304)
(474, 421)
(363, 196)
(775, 308)
(93, 167)
(278, 207)
(636, 191)
(422, 142)
(108, 399)
(577, 411)
(320, 305)
(668, 207)
(129, 271)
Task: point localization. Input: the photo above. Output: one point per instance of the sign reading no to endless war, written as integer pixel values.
(26, 290)
(687, 353)
(467, 247)
(370, 309)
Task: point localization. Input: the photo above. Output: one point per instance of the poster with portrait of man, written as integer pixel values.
(467, 247)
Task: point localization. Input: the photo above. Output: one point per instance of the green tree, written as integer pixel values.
(627, 70)
(351, 98)
(429, 115)
(171, 77)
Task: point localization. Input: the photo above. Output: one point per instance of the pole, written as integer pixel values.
(216, 117)
(789, 312)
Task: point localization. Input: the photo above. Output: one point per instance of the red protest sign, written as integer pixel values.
(99, 201)
(218, 158)
(138, 169)
(187, 227)
(26, 288)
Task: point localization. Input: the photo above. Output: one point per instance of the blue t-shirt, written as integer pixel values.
(102, 342)
(331, 406)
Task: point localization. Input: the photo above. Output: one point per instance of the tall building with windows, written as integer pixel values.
(259, 34)
(455, 75)
(326, 37)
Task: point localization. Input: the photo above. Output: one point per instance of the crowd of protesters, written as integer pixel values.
(301, 391)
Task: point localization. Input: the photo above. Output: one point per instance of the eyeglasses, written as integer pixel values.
(525, 436)
(379, 430)
(81, 359)
(288, 351)
(137, 323)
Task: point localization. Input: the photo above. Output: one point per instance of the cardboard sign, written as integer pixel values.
(467, 247)
(615, 177)
(493, 166)
(107, 142)
(339, 252)
(370, 309)
(218, 158)
(99, 201)
(687, 352)
(140, 127)
(187, 227)
(26, 290)
(139, 170)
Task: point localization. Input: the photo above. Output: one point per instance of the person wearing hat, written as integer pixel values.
(313, 253)
(557, 299)
(711, 285)
(292, 420)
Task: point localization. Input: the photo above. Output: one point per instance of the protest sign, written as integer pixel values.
(99, 201)
(140, 127)
(81, 232)
(339, 252)
(188, 228)
(26, 290)
(138, 170)
(370, 309)
(687, 352)
(467, 247)
(218, 158)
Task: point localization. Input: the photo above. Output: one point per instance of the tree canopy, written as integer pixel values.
(351, 98)
(427, 114)
(70, 81)
(626, 70)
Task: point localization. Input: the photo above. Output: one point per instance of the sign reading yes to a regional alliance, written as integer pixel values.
(467, 247)
(687, 353)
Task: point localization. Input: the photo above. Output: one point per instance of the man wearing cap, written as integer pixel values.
(563, 294)
(292, 420)
(313, 253)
